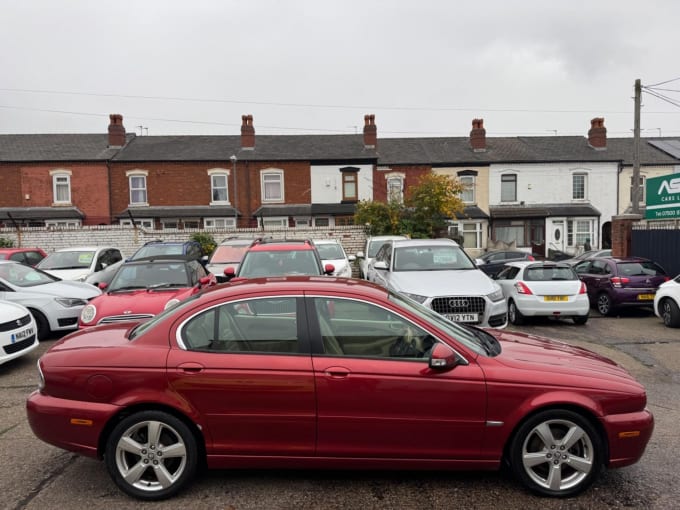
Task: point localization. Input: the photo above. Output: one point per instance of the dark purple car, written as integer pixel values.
(618, 282)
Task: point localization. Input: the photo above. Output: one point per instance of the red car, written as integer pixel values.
(318, 372)
(143, 288)
(28, 256)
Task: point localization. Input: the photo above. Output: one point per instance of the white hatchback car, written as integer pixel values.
(667, 302)
(373, 244)
(332, 252)
(18, 332)
(80, 262)
(441, 276)
(547, 289)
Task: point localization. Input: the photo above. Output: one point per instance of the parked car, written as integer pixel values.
(80, 262)
(667, 302)
(620, 282)
(270, 257)
(373, 244)
(187, 249)
(54, 303)
(371, 381)
(439, 274)
(332, 252)
(591, 254)
(145, 287)
(18, 331)
(28, 256)
(228, 254)
(543, 289)
(494, 261)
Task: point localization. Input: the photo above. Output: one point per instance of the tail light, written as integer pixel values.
(618, 281)
(522, 288)
(583, 289)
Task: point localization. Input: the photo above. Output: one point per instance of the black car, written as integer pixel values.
(493, 262)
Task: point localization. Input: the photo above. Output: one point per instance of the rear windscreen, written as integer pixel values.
(640, 269)
(546, 274)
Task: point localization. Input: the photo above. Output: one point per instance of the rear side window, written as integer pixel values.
(547, 274)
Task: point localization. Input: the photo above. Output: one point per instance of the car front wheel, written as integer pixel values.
(670, 313)
(151, 455)
(604, 304)
(556, 453)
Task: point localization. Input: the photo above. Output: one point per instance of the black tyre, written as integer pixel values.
(580, 319)
(42, 324)
(604, 304)
(151, 455)
(670, 313)
(557, 453)
(514, 315)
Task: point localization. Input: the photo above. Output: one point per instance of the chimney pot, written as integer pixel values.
(478, 135)
(370, 132)
(597, 134)
(247, 132)
(116, 130)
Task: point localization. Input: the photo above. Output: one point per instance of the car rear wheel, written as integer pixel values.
(670, 313)
(604, 304)
(151, 455)
(556, 453)
(514, 314)
(580, 319)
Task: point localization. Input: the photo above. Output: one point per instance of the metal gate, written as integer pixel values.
(659, 243)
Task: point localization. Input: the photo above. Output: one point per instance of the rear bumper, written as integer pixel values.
(628, 436)
(532, 306)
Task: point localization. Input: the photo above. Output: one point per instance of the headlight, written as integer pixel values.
(70, 302)
(415, 297)
(88, 314)
(171, 303)
(496, 295)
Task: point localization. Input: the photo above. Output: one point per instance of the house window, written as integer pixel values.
(469, 233)
(509, 188)
(395, 188)
(143, 223)
(191, 224)
(349, 185)
(322, 222)
(138, 189)
(62, 223)
(578, 231)
(578, 186)
(468, 193)
(344, 221)
(641, 193)
(219, 222)
(272, 185)
(273, 222)
(61, 188)
(218, 182)
(169, 224)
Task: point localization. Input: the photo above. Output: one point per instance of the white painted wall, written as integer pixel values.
(327, 183)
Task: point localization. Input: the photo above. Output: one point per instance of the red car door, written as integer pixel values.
(246, 368)
(373, 403)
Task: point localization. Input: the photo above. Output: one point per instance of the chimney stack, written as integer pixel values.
(478, 135)
(247, 132)
(116, 130)
(370, 132)
(597, 134)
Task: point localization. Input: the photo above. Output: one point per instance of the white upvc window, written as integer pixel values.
(219, 186)
(395, 187)
(641, 193)
(273, 222)
(322, 221)
(137, 184)
(468, 193)
(142, 222)
(170, 223)
(61, 186)
(579, 183)
(219, 222)
(272, 185)
(578, 231)
(302, 221)
(63, 223)
(471, 233)
(509, 188)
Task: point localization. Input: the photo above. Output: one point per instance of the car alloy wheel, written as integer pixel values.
(556, 453)
(514, 314)
(151, 455)
(604, 304)
(670, 313)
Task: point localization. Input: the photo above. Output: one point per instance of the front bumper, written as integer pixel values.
(628, 435)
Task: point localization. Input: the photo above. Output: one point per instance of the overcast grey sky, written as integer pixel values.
(424, 68)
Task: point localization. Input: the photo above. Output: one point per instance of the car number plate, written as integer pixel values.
(555, 298)
(23, 334)
(645, 297)
(463, 317)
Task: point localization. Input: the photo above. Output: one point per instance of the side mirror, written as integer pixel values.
(380, 265)
(229, 273)
(443, 357)
(351, 258)
(102, 285)
(329, 269)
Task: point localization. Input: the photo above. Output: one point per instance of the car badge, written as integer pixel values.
(18, 322)
(458, 303)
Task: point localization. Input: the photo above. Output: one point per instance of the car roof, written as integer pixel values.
(387, 237)
(442, 241)
(282, 245)
(538, 263)
(160, 258)
(85, 248)
(17, 250)
(325, 241)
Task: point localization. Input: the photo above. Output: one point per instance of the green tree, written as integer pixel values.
(433, 200)
(206, 241)
(6, 243)
(380, 218)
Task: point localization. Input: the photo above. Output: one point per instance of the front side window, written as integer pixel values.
(266, 326)
(218, 183)
(578, 188)
(509, 188)
(61, 185)
(468, 193)
(272, 186)
(138, 190)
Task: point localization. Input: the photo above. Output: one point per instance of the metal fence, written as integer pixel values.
(661, 243)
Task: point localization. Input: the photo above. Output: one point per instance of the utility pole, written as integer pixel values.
(636, 150)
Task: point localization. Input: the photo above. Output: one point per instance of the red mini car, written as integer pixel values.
(319, 372)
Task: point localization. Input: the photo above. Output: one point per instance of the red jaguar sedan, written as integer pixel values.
(319, 372)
